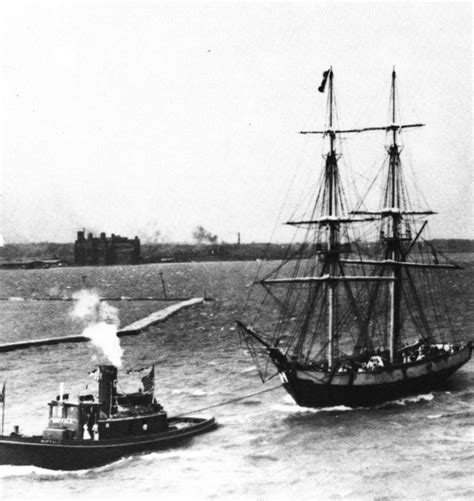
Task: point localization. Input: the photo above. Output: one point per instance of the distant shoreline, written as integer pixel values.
(44, 254)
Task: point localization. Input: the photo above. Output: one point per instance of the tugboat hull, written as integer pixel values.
(312, 388)
(84, 454)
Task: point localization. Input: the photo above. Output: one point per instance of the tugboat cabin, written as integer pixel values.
(113, 416)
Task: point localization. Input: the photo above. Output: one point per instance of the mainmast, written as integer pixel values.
(393, 213)
(393, 240)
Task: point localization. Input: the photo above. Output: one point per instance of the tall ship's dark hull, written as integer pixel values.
(312, 388)
(82, 454)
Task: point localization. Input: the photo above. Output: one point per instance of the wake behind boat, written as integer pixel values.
(362, 318)
(93, 432)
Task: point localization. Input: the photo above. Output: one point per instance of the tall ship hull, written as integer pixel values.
(312, 388)
(357, 312)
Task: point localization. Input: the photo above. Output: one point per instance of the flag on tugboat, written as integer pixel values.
(148, 380)
(323, 83)
(147, 375)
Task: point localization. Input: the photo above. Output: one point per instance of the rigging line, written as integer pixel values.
(317, 327)
(284, 261)
(438, 290)
(446, 309)
(379, 172)
(308, 318)
(308, 198)
(284, 321)
(255, 356)
(353, 303)
(230, 401)
(277, 300)
(412, 312)
(371, 309)
(374, 104)
(431, 279)
(416, 184)
(348, 169)
(381, 321)
(308, 315)
(418, 304)
(290, 185)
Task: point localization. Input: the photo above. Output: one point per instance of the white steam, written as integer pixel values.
(102, 321)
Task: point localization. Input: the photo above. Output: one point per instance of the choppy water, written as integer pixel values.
(266, 447)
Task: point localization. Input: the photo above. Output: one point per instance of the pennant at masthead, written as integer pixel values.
(323, 83)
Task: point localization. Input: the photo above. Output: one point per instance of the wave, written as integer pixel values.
(249, 369)
(458, 439)
(193, 393)
(460, 414)
(463, 393)
(15, 471)
(15, 298)
(291, 407)
(260, 457)
(181, 454)
(407, 400)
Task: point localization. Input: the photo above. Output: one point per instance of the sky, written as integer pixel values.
(150, 118)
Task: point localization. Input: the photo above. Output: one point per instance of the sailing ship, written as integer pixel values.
(360, 314)
(96, 431)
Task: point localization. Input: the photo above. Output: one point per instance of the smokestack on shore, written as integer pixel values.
(108, 389)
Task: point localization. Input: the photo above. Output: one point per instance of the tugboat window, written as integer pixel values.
(55, 411)
(72, 412)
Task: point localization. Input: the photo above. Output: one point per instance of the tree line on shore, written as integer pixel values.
(180, 252)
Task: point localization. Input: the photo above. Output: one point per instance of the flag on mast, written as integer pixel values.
(323, 83)
(2, 395)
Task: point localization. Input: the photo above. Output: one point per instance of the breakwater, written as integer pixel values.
(129, 330)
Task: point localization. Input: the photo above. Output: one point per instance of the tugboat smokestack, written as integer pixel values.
(108, 389)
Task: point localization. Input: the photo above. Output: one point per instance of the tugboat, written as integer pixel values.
(94, 432)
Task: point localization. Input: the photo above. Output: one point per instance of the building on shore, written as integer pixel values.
(105, 250)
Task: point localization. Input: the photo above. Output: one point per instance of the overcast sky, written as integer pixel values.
(137, 118)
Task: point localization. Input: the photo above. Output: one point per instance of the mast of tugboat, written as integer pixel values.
(3, 407)
(393, 249)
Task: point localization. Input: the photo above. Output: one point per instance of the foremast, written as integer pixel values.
(332, 209)
(330, 216)
(332, 257)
